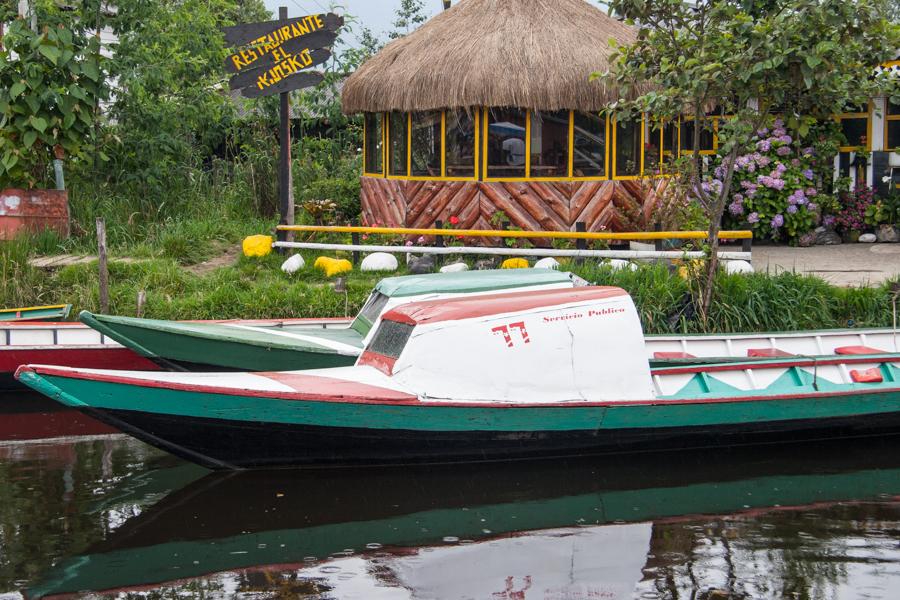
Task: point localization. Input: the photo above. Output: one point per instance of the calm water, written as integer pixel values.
(114, 516)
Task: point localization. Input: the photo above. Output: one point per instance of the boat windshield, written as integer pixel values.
(390, 338)
(370, 312)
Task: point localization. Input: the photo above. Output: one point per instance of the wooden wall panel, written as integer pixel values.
(531, 205)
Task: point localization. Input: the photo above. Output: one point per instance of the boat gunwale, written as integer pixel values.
(34, 374)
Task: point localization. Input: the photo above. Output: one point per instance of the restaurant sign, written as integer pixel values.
(274, 55)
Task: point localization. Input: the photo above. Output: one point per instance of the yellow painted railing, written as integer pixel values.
(503, 233)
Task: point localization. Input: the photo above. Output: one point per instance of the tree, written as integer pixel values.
(802, 59)
(50, 83)
(409, 15)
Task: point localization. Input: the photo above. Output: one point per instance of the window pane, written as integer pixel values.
(893, 109)
(589, 149)
(893, 135)
(373, 145)
(390, 338)
(460, 161)
(707, 140)
(855, 130)
(670, 142)
(397, 141)
(426, 144)
(506, 142)
(628, 148)
(550, 144)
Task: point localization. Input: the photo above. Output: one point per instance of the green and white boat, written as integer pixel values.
(185, 346)
(527, 374)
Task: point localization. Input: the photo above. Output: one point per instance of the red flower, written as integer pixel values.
(454, 220)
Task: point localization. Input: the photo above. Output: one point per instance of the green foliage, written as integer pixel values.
(50, 84)
(410, 14)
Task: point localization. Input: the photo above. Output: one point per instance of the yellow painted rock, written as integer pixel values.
(514, 263)
(333, 266)
(257, 245)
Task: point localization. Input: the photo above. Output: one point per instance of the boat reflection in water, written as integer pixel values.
(730, 524)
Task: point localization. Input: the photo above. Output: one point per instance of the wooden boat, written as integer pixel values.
(527, 374)
(238, 520)
(77, 345)
(53, 312)
(179, 346)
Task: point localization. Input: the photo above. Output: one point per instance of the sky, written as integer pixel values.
(374, 14)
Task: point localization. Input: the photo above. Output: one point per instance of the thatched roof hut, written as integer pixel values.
(536, 54)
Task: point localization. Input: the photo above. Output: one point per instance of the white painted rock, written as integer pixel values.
(293, 264)
(867, 238)
(617, 263)
(454, 268)
(379, 261)
(547, 263)
(738, 266)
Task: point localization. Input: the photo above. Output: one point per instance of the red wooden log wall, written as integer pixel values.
(531, 205)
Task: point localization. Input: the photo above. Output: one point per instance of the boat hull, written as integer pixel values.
(253, 429)
(87, 357)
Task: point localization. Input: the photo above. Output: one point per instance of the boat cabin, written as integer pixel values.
(546, 346)
(394, 291)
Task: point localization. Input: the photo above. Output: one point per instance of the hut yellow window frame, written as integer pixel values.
(607, 146)
(890, 117)
(611, 122)
(715, 137)
(857, 115)
(383, 148)
(476, 153)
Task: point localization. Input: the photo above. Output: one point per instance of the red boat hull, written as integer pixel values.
(88, 357)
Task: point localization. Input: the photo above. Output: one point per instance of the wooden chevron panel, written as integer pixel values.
(531, 205)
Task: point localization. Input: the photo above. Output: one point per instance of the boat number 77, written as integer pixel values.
(507, 337)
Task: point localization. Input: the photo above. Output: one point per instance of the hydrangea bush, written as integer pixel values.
(774, 191)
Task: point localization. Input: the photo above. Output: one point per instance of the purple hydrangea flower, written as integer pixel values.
(763, 145)
(811, 191)
(779, 123)
(795, 162)
(828, 221)
(785, 139)
(763, 161)
(762, 132)
(777, 221)
(746, 184)
(779, 168)
(808, 174)
(736, 208)
(783, 151)
(780, 131)
(813, 207)
(753, 217)
(792, 209)
(738, 198)
(808, 151)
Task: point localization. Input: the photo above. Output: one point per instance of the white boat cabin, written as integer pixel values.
(546, 346)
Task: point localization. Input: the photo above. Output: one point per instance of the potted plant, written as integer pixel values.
(50, 86)
(883, 215)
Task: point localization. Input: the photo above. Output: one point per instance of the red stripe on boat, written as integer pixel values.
(767, 353)
(845, 350)
(110, 357)
(872, 375)
(434, 311)
(383, 363)
(672, 355)
(326, 388)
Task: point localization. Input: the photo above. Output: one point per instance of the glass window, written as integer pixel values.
(669, 142)
(374, 149)
(550, 144)
(506, 142)
(460, 144)
(892, 127)
(707, 136)
(390, 338)
(628, 148)
(855, 127)
(426, 144)
(589, 145)
(370, 312)
(397, 142)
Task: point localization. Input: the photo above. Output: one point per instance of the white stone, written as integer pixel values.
(738, 266)
(455, 268)
(379, 261)
(867, 238)
(293, 264)
(547, 263)
(617, 263)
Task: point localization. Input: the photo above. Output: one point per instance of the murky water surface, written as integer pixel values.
(113, 516)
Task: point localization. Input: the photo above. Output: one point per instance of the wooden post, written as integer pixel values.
(354, 239)
(439, 242)
(104, 273)
(657, 243)
(141, 298)
(581, 244)
(446, 4)
(285, 191)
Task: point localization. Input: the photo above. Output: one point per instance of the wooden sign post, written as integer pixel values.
(272, 58)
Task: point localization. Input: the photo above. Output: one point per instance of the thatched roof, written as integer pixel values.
(534, 54)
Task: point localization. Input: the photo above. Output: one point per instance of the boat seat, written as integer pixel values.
(664, 355)
(872, 375)
(767, 353)
(858, 350)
